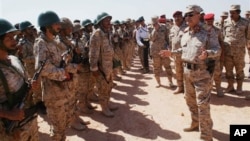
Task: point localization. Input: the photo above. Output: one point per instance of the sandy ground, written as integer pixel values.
(147, 113)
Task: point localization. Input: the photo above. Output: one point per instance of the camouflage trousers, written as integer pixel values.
(179, 70)
(237, 61)
(56, 100)
(28, 132)
(197, 85)
(83, 88)
(158, 62)
(104, 87)
(217, 72)
(126, 62)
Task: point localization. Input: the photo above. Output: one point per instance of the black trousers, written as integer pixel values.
(145, 54)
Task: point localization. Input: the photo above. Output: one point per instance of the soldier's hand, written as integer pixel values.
(15, 114)
(203, 55)
(95, 73)
(165, 53)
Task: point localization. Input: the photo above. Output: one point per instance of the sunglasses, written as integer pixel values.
(190, 14)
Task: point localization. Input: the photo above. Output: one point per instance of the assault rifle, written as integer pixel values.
(31, 112)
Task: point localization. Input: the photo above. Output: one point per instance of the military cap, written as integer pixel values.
(163, 16)
(177, 13)
(76, 21)
(224, 14)
(209, 16)
(128, 20)
(86, 22)
(66, 22)
(193, 8)
(116, 22)
(140, 19)
(154, 19)
(162, 19)
(234, 7)
(102, 16)
(247, 13)
(77, 27)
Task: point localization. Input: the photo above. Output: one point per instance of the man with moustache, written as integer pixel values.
(197, 79)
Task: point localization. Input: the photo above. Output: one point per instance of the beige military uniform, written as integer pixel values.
(16, 77)
(158, 42)
(55, 88)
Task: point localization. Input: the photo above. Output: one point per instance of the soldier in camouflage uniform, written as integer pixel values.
(197, 79)
(101, 64)
(236, 34)
(13, 86)
(84, 78)
(117, 48)
(215, 32)
(26, 43)
(176, 32)
(26, 54)
(88, 30)
(55, 75)
(64, 41)
(158, 40)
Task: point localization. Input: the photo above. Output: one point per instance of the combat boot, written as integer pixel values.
(230, 87)
(239, 87)
(78, 126)
(112, 107)
(93, 97)
(170, 82)
(194, 127)
(158, 81)
(247, 97)
(219, 91)
(179, 89)
(105, 110)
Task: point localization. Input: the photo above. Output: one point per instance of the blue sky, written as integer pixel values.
(20, 10)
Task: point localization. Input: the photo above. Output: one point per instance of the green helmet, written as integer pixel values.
(116, 22)
(48, 18)
(102, 16)
(86, 22)
(6, 27)
(25, 24)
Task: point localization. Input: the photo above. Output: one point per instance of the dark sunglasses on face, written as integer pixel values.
(190, 14)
